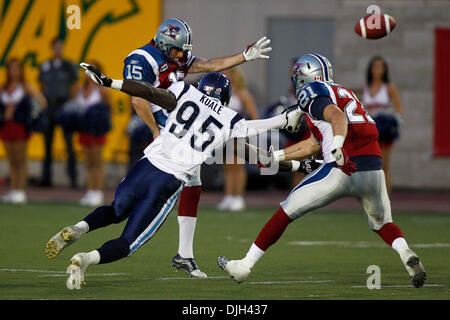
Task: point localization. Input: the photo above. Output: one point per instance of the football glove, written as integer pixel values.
(255, 50)
(343, 162)
(309, 165)
(96, 75)
(293, 115)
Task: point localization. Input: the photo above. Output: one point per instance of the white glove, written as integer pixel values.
(293, 115)
(256, 50)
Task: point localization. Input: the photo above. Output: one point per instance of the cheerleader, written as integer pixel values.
(94, 102)
(382, 101)
(15, 118)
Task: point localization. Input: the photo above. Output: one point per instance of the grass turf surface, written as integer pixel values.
(323, 255)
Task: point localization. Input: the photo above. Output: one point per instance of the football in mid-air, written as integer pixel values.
(375, 26)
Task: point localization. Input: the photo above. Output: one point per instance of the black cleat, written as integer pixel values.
(222, 262)
(188, 265)
(419, 277)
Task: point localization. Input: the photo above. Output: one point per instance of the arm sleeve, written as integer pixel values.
(259, 126)
(318, 105)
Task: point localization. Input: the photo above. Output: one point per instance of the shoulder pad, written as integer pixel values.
(311, 91)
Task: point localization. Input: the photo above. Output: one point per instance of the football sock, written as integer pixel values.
(114, 250)
(393, 236)
(189, 199)
(389, 232)
(187, 219)
(83, 226)
(269, 234)
(253, 255)
(101, 217)
(93, 257)
(273, 229)
(186, 236)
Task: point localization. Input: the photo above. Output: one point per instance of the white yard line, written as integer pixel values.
(31, 270)
(88, 274)
(182, 278)
(59, 273)
(403, 286)
(362, 244)
(290, 282)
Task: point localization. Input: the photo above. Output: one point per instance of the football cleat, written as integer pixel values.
(239, 270)
(416, 271)
(62, 239)
(189, 266)
(76, 269)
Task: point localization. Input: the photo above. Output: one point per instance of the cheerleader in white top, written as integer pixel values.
(94, 101)
(382, 101)
(15, 121)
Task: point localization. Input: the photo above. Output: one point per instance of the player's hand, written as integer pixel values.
(343, 162)
(309, 165)
(256, 50)
(96, 75)
(293, 115)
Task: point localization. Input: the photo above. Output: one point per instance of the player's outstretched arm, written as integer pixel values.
(253, 154)
(161, 97)
(289, 120)
(298, 151)
(256, 50)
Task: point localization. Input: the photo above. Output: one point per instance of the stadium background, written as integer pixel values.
(111, 29)
(326, 254)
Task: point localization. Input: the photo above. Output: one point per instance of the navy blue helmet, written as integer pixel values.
(216, 85)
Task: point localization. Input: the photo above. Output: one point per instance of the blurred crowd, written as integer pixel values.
(79, 105)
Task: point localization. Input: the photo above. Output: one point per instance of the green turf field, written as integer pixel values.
(324, 255)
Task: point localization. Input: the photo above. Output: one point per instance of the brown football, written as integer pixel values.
(375, 26)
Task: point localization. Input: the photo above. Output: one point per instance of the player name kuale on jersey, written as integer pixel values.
(212, 104)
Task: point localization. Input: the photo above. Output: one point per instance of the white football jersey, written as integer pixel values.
(198, 125)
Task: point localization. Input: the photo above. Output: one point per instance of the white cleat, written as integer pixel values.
(61, 240)
(76, 269)
(239, 270)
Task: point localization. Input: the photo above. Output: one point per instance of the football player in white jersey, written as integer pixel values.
(163, 61)
(198, 123)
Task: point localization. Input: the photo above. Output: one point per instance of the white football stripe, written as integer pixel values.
(363, 27)
(388, 25)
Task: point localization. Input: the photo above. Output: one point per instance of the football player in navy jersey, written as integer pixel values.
(164, 60)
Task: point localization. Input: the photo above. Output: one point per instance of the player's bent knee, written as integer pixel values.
(121, 205)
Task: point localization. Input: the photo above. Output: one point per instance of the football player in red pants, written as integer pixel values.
(352, 167)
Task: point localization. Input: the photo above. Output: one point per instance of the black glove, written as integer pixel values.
(96, 75)
(309, 165)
